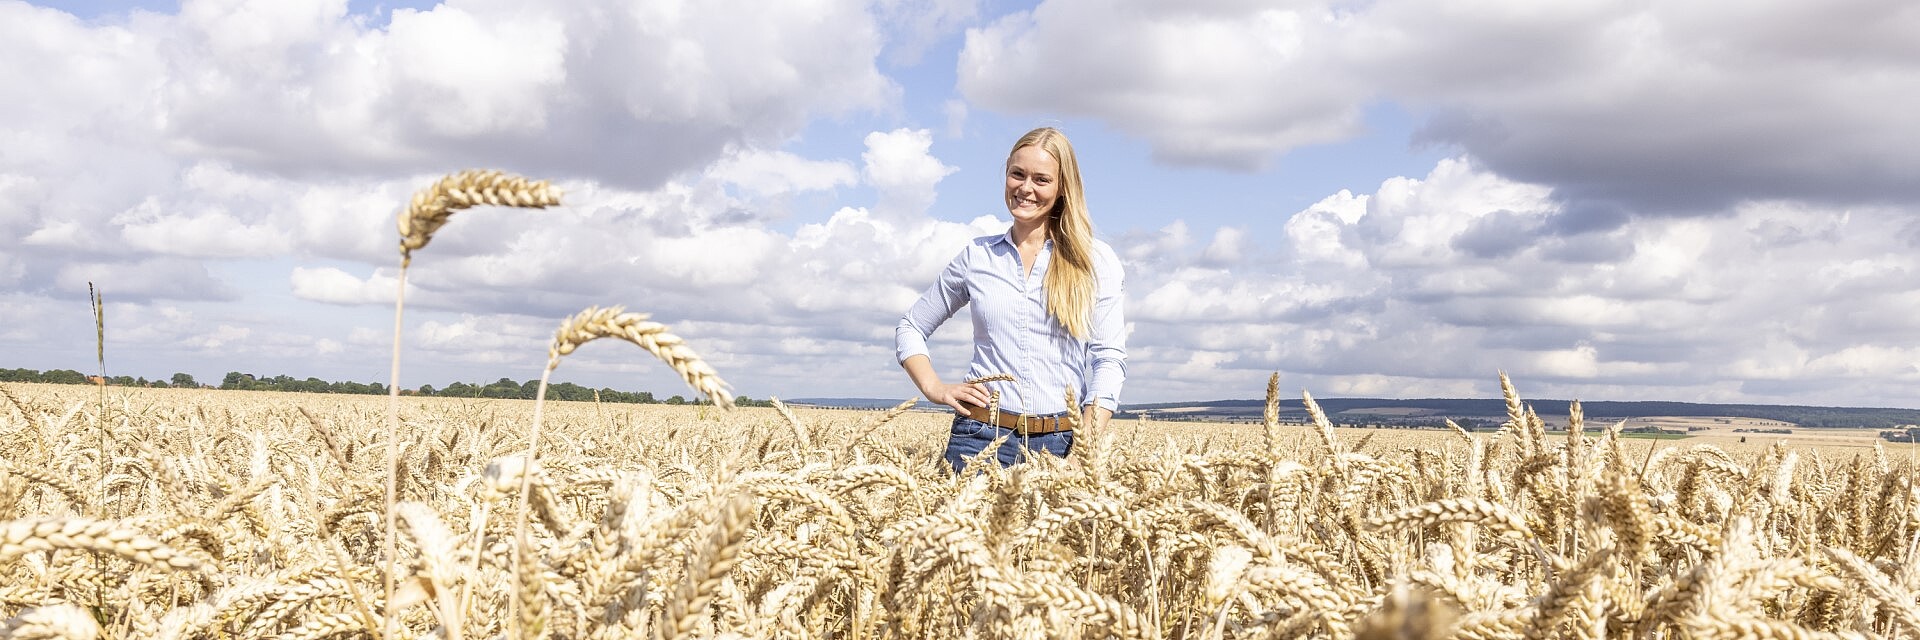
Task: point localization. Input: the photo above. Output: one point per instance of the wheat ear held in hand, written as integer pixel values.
(429, 210)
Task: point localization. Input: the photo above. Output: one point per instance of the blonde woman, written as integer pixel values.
(1045, 299)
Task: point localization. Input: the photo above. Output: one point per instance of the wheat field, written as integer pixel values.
(143, 513)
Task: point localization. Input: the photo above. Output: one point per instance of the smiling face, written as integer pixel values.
(1033, 184)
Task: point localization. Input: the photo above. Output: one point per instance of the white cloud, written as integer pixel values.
(59, 234)
(1158, 71)
(146, 279)
(209, 234)
(1429, 284)
(333, 286)
(485, 339)
(628, 94)
(918, 24)
(224, 336)
(1200, 365)
(764, 172)
(900, 166)
(955, 112)
(1169, 243)
(1227, 247)
(1673, 108)
(470, 75)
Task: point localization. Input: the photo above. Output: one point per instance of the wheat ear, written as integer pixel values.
(710, 564)
(432, 206)
(106, 536)
(615, 322)
(53, 621)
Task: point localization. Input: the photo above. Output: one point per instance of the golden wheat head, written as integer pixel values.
(433, 205)
(615, 322)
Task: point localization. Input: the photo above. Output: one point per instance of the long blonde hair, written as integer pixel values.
(1070, 279)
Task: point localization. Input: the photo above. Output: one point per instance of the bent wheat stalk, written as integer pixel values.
(615, 322)
(609, 322)
(428, 211)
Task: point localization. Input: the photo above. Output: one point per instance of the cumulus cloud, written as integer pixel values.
(333, 286)
(899, 166)
(1661, 108)
(1159, 71)
(147, 279)
(763, 172)
(503, 84)
(1227, 247)
(1427, 285)
(236, 129)
(221, 337)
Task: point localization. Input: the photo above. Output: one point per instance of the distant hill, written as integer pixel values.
(1472, 411)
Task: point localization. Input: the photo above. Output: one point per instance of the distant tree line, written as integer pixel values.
(1907, 433)
(502, 388)
(69, 376)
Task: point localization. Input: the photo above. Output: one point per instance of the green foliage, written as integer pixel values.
(503, 388)
(56, 376)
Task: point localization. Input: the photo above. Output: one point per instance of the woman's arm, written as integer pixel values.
(920, 368)
(939, 303)
(1107, 340)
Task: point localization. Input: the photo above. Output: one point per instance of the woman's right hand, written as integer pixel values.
(964, 398)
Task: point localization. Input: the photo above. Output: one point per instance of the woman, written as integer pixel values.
(1046, 309)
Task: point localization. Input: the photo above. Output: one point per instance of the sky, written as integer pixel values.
(1708, 200)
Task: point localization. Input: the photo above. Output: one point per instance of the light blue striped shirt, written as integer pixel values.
(1012, 333)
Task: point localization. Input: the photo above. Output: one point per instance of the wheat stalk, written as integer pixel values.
(424, 215)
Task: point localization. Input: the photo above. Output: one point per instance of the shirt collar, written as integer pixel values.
(1007, 239)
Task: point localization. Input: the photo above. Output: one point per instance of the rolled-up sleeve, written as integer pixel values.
(934, 307)
(1107, 342)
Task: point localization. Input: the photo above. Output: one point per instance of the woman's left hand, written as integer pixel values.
(1095, 416)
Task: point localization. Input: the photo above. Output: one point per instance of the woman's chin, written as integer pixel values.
(1027, 215)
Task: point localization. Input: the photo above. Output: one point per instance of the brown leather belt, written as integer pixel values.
(1022, 423)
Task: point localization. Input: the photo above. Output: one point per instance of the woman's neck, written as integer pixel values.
(1028, 235)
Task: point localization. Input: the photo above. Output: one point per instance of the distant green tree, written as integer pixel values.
(63, 376)
(184, 381)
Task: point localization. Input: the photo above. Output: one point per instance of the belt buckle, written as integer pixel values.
(1021, 423)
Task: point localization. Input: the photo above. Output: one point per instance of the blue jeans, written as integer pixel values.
(969, 437)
